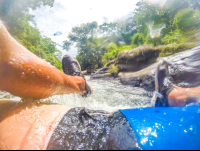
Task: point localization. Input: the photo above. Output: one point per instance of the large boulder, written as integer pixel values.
(143, 78)
(138, 58)
(184, 67)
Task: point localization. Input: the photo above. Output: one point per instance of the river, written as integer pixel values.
(108, 95)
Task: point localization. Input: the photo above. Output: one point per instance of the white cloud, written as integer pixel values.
(68, 13)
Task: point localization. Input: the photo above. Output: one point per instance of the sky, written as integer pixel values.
(56, 22)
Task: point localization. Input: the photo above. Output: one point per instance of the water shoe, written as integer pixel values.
(163, 85)
(71, 67)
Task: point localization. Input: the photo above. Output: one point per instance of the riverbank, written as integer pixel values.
(137, 68)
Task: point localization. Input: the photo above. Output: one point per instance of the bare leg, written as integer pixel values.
(167, 94)
(181, 96)
(28, 125)
(24, 74)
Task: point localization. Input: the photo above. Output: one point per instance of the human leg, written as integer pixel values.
(24, 74)
(168, 94)
(40, 126)
(181, 96)
(25, 125)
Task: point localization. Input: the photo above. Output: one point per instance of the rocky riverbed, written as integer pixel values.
(184, 68)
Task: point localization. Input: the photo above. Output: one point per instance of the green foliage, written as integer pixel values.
(138, 39)
(12, 10)
(173, 37)
(175, 23)
(113, 50)
(174, 48)
(43, 47)
(90, 48)
(113, 69)
(15, 14)
(186, 18)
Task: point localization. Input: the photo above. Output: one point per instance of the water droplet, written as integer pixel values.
(22, 72)
(13, 59)
(11, 62)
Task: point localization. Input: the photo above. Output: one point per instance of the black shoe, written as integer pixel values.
(71, 67)
(163, 85)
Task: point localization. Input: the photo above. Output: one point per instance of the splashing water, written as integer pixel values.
(155, 30)
(107, 95)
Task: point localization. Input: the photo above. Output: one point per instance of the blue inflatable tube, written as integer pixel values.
(161, 128)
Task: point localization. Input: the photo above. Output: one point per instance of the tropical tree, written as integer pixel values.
(15, 14)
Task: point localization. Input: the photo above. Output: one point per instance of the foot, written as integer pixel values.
(163, 85)
(71, 67)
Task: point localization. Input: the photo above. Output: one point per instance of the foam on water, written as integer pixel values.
(107, 95)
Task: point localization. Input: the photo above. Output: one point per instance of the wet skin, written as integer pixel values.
(28, 125)
(25, 75)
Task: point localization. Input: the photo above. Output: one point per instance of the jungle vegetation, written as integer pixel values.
(15, 15)
(173, 24)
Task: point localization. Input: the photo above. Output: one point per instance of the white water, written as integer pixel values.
(107, 95)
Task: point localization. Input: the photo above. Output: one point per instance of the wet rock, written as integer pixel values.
(102, 70)
(101, 74)
(143, 78)
(138, 58)
(184, 68)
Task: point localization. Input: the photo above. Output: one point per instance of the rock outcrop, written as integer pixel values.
(138, 58)
(184, 67)
(101, 74)
(142, 78)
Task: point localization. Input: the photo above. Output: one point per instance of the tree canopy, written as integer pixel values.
(15, 13)
(174, 23)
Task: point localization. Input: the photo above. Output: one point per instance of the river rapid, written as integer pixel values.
(109, 95)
